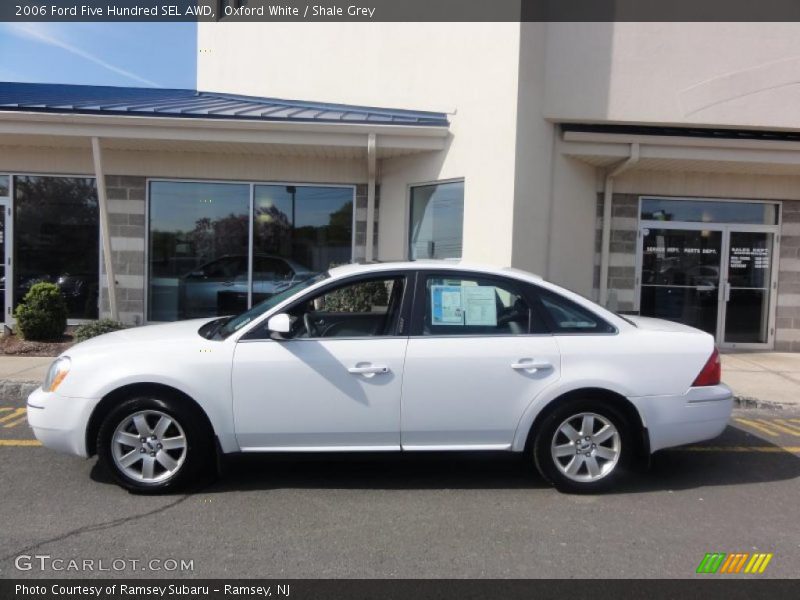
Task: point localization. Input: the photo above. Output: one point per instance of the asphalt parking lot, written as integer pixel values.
(459, 515)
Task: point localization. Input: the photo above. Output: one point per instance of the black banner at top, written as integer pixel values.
(399, 10)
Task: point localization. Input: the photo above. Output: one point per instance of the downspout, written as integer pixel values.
(608, 192)
(105, 231)
(371, 169)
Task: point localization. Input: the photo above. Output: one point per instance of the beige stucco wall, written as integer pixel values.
(183, 164)
(469, 70)
(734, 74)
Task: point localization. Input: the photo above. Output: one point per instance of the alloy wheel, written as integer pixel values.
(149, 446)
(586, 447)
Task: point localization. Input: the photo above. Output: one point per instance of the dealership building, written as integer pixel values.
(652, 166)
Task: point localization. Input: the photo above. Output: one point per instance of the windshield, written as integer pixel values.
(229, 325)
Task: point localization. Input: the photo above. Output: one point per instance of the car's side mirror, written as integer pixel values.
(278, 325)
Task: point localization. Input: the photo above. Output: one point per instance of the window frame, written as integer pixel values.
(402, 327)
(516, 286)
(410, 208)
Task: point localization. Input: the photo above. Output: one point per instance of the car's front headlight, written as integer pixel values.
(56, 374)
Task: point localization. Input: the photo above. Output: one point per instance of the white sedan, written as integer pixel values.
(388, 357)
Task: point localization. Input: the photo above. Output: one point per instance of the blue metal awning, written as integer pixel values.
(158, 102)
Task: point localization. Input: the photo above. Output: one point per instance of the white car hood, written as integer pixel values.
(651, 324)
(165, 332)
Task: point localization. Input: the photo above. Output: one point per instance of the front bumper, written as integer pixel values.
(60, 422)
(700, 414)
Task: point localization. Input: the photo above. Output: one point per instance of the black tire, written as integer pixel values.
(196, 461)
(572, 411)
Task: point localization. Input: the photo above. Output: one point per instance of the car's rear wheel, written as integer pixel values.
(583, 446)
(152, 444)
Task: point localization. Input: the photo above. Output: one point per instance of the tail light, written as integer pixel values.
(711, 374)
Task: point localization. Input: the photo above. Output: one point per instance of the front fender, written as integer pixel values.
(205, 377)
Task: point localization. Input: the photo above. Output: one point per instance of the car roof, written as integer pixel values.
(447, 265)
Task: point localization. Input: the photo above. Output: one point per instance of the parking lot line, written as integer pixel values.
(13, 417)
(765, 429)
(792, 449)
(20, 443)
(776, 425)
(793, 428)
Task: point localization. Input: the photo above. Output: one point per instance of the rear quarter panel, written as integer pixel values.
(632, 363)
(638, 362)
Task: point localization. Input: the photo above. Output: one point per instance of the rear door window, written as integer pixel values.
(473, 305)
(568, 317)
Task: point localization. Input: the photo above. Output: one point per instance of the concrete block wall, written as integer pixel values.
(787, 314)
(622, 261)
(360, 237)
(126, 208)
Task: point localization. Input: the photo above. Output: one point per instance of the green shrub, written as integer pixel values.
(95, 328)
(42, 314)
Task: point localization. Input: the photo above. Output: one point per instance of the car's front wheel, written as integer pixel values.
(583, 446)
(154, 445)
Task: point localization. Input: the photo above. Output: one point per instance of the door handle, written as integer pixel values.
(727, 291)
(368, 370)
(531, 365)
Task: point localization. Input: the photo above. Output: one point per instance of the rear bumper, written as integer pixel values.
(702, 413)
(60, 422)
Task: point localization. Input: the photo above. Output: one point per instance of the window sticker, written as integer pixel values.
(480, 305)
(446, 305)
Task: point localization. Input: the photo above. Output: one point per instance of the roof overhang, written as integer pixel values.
(676, 153)
(198, 134)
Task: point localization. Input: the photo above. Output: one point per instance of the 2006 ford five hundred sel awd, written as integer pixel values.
(403, 356)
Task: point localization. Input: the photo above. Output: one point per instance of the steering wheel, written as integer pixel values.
(311, 329)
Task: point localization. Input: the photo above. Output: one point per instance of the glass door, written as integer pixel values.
(746, 303)
(3, 273)
(717, 278)
(680, 275)
(5, 248)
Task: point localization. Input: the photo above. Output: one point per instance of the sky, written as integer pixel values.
(119, 54)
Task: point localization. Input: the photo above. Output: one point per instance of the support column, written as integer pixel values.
(608, 194)
(371, 169)
(105, 229)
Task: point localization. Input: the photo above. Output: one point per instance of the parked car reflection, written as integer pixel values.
(79, 290)
(219, 287)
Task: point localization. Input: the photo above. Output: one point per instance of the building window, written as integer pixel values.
(200, 263)
(56, 235)
(198, 247)
(437, 220)
(312, 226)
(709, 211)
(3, 185)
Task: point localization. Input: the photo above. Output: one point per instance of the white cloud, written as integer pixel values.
(39, 32)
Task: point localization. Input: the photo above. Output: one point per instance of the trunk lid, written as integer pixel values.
(651, 324)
